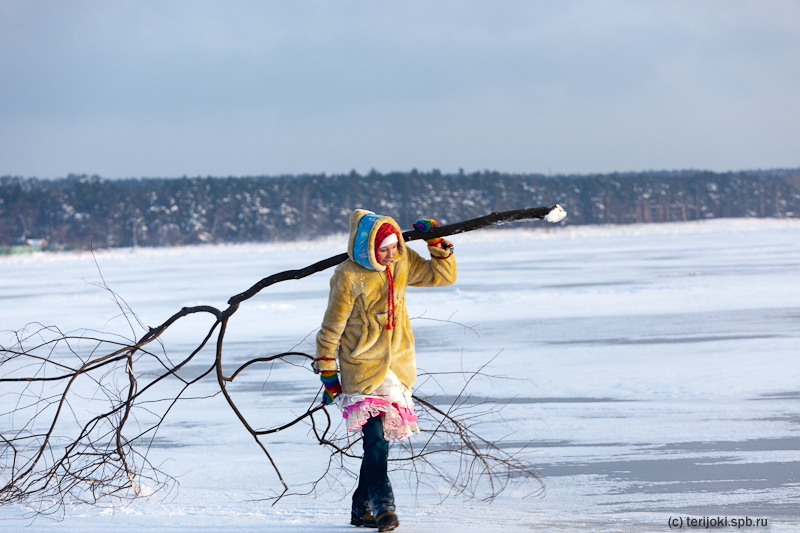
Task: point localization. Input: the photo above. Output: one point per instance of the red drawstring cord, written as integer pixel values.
(391, 317)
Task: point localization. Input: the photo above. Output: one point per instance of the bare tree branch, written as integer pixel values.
(54, 453)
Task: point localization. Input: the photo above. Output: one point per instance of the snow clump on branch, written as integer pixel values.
(557, 214)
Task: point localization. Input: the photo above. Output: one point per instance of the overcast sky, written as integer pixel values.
(170, 88)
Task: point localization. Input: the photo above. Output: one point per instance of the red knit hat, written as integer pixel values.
(384, 231)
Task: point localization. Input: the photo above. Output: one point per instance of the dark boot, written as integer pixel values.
(388, 521)
(363, 520)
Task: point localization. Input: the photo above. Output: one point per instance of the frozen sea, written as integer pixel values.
(652, 370)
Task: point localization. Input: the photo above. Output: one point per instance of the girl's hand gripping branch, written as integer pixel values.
(424, 225)
(329, 379)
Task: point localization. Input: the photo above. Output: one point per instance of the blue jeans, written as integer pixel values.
(374, 491)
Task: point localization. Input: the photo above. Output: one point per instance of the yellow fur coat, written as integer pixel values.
(353, 329)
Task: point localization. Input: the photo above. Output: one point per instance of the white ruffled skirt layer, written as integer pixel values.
(391, 401)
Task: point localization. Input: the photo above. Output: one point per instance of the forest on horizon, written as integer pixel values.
(80, 211)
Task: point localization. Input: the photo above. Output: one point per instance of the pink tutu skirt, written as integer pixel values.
(391, 401)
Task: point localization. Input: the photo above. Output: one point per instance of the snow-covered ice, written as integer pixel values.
(652, 368)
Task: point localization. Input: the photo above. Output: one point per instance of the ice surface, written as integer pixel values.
(652, 368)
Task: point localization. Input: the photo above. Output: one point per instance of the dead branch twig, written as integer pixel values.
(58, 455)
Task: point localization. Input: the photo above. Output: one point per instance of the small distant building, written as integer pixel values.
(25, 246)
(37, 243)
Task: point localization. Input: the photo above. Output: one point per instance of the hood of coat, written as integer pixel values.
(363, 229)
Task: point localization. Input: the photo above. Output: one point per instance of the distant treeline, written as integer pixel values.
(83, 211)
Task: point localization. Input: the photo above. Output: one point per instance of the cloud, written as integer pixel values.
(251, 87)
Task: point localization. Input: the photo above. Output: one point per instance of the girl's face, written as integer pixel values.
(386, 254)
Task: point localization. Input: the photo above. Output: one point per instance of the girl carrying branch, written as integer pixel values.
(366, 330)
